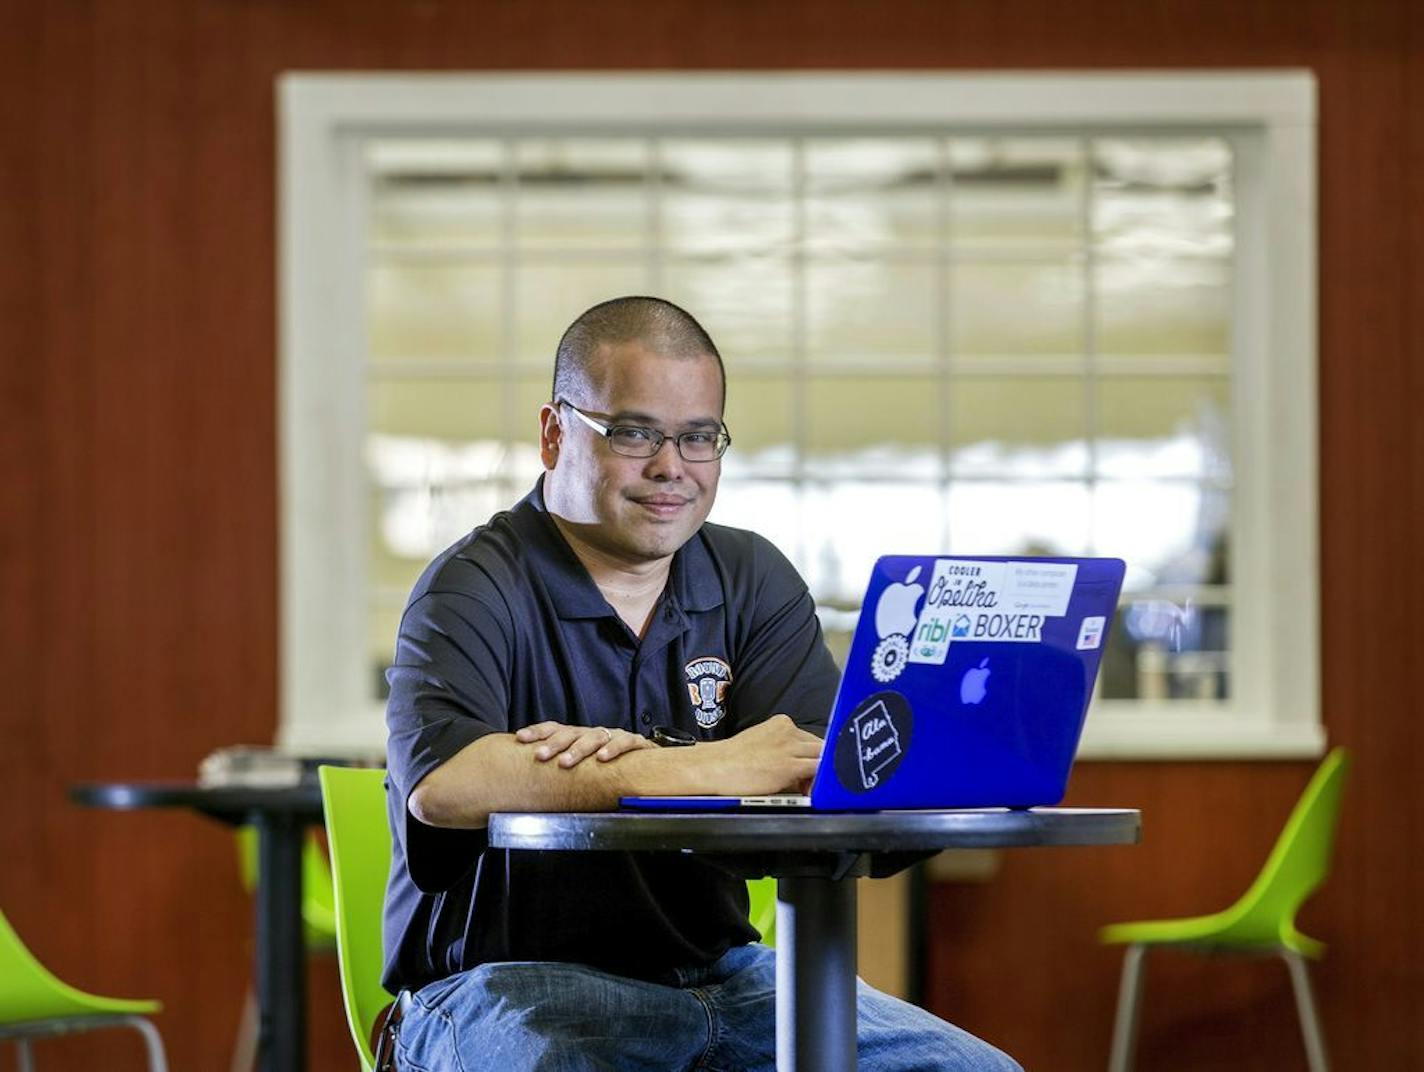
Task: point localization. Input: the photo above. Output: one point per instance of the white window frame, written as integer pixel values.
(327, 703)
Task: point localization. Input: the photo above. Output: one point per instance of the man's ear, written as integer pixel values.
(551, 434)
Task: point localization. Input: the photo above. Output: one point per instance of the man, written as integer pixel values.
(538, 659)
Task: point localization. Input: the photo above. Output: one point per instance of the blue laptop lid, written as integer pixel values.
(967, 682)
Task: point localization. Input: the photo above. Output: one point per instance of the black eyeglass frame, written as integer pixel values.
(656, 439)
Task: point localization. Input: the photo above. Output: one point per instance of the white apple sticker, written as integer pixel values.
(895, 612)
(895, 617)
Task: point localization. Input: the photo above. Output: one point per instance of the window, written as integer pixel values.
(977, 314)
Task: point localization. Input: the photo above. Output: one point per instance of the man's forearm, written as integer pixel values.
(498, 773)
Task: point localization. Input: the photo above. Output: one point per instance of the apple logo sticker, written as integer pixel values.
(873, 741)
(974, 686)
(895, 619)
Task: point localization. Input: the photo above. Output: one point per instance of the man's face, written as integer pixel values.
(634, 509)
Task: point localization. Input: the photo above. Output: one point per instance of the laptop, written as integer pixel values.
(966, 686)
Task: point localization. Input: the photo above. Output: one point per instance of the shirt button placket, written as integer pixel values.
(633, 693)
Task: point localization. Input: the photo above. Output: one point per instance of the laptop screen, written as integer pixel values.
(967, 682)
(966, 685)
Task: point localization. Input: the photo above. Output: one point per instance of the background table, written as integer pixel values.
(281, 817)
(816, 858)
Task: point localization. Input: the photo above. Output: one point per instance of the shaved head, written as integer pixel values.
(661, 326)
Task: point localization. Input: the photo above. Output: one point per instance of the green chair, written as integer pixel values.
(359, 837)
(35, 1004)
(318, 896)
(1261, 922)
(318, 919)
(762, 892)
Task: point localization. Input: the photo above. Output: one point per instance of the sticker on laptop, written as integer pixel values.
(1090, 634)
(894, 622)
(967, 599)
(873, 742)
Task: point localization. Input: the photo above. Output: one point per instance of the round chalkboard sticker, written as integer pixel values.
(873, 741)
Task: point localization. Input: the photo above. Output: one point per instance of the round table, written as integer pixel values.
(281, 815)
(816, 858)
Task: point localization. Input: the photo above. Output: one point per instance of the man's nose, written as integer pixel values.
(666, 462)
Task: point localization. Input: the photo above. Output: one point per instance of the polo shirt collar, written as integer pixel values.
(694, 579)
(693, 583)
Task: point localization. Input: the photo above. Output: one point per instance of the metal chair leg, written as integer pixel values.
(152, 1042)
(244, 1050)
(1305, 1006)
(1129, 999)
(57, 1026)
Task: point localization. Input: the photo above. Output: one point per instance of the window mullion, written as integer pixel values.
(799, 334)
(510, 342)
(1090, 334)
(944, 325)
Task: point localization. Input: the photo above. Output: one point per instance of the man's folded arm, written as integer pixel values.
(498, 773)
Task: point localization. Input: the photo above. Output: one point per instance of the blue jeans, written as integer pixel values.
(513, 1017)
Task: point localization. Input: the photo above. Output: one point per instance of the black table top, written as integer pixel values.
(833, 832)
(229, 803)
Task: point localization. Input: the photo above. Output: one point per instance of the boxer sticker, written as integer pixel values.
(1004, 602)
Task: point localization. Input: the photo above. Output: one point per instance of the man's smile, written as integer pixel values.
(662, 505)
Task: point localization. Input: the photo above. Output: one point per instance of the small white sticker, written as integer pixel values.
(1041, 587)
(1090, 636)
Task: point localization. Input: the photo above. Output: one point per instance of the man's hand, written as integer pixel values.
(573, 744)
(774, 756)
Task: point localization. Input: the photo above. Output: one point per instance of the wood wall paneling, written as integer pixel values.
(139, 543)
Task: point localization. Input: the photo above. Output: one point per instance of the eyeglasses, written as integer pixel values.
(635, 441)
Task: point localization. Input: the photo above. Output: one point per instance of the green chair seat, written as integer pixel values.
(34, 1002)
(1218, 932)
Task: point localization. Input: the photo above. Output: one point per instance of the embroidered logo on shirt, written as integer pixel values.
(708, 679)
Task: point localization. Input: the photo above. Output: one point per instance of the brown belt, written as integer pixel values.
(387, 1028)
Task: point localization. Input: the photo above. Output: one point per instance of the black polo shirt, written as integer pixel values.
(505, 629)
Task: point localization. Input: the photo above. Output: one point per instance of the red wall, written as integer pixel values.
(138, 524)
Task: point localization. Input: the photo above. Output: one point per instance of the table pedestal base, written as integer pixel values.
(815, 974)
(281, 945)
(816, 858)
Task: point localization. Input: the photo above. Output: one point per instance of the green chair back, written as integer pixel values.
(1298, 864)
(29, 991)
(358, 836)
(762, 892)
(1264, 916)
